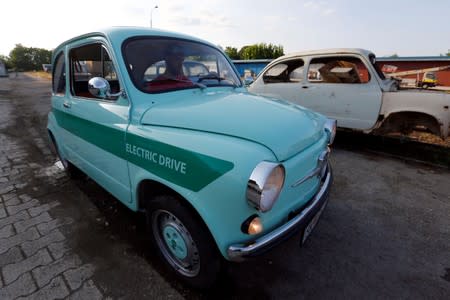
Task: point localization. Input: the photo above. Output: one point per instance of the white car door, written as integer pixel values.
(343, 88)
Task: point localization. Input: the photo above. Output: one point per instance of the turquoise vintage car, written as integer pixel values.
(219, 172)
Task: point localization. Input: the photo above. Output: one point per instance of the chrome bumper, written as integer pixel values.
(239, 252)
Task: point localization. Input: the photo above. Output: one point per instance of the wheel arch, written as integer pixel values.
(52, 142)
(408, 120)
(149, 189)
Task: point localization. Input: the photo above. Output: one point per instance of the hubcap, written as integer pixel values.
(176, 243)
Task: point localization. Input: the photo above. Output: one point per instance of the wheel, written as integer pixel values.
(425, 85)
(183, 241)
(71, 171)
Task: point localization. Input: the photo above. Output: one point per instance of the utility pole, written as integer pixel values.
(151, 15)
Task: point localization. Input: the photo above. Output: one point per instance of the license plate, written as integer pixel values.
(312, 223)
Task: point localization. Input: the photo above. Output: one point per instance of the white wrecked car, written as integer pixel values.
(346, 85)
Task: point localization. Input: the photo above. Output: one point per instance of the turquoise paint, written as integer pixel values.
(185, 168)
(284, 128)
(175, 242)
(228, 125)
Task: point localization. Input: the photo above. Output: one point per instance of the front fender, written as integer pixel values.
(221, 203)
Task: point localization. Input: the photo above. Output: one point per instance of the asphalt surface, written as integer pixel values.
(384, 234)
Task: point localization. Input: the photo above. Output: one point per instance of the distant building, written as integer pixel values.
(3, 71)
(401, 64)
(250, 67)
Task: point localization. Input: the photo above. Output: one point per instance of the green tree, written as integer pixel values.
(232, 52)
(29, 59)
(261, 51)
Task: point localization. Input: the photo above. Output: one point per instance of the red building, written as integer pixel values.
(400, 64)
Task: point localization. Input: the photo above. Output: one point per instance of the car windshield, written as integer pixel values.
(158, 65)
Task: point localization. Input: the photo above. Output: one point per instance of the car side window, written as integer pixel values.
(338, 70)
(91, 61)
(59, 75)
(286, 71)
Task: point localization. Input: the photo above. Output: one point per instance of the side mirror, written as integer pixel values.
(248, 81)
(99, 87)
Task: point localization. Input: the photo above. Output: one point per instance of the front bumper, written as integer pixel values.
(239, 252)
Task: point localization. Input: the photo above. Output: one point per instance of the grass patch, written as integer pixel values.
(40, 74)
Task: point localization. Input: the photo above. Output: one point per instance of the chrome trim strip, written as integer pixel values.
(321, 164)
(238, 252)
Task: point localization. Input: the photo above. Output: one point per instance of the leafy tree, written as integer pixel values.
(28, 59)
(261, 51)
(395, 55)
(242, 52)
(232, 52)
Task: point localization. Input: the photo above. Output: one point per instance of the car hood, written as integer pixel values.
(284, 128)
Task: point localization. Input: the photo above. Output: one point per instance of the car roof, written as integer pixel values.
(120, 34)
(329, 51)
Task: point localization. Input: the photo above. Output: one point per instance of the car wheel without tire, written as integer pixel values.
(183, 241)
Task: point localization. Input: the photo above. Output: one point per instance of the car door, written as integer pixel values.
(281, 80)
(343, 88)
(96, 127)
(60, 101)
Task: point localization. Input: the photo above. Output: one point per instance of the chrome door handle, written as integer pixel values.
(66, 104)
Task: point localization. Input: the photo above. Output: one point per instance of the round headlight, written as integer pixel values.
(330, 126)
(264, 185)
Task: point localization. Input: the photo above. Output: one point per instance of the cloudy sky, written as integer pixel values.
(404, 27)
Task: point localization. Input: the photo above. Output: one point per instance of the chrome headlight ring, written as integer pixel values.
(265, 184)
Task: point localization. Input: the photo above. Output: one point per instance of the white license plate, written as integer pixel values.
(312, 223)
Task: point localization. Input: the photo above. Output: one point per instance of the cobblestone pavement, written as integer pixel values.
(54, 243)
(35, 259)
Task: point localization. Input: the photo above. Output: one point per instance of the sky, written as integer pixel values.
(386, 27)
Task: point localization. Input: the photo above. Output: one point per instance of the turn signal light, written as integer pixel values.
(252, 225)
(255, 226)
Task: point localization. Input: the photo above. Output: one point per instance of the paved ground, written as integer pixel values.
(44, 240)
(384, 234)
(35, 259)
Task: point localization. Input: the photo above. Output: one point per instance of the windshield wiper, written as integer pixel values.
(200, 85)
(211, 76)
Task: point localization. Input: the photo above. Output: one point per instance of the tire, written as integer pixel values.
(424, 85)
(183, 241)
(71, 171)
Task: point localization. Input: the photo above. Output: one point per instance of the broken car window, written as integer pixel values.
(338, 70)
(287, 71)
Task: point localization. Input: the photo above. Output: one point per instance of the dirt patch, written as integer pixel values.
(428, 138)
